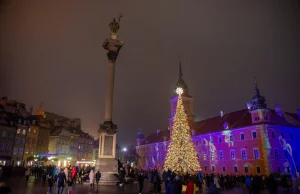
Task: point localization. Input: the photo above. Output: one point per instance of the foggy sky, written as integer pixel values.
(51, 51)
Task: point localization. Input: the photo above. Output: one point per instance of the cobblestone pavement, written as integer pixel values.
(17, 185)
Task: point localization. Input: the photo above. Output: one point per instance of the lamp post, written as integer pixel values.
(124, 150)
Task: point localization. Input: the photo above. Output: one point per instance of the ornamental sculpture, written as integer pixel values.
(108, 127)
(115, 24)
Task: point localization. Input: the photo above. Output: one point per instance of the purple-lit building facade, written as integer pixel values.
(255, 140)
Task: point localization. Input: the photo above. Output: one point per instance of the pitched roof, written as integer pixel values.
(158, 137)
(236, 119)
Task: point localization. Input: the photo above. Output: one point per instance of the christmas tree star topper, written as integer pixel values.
(179, 91)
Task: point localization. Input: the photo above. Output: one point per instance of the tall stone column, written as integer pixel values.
(107, 163)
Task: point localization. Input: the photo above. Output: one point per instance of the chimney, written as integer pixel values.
(221, 113)
(278, 110)
(298, 111)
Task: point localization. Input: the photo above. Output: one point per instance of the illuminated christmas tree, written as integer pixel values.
(181, 156)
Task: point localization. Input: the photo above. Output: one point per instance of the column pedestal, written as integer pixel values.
(107, 163)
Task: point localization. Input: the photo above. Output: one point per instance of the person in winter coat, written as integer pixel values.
(156, 181)
(189, 187)
(61, 181)
(173, 188)
(92, 178)
(27, 174)
(141, 178)
(213, 189)
(74, 173)
(69, 183)
(50, 183)
(66, 171)
(98, 176)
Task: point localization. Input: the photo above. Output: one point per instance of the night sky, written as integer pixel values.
(51, 51)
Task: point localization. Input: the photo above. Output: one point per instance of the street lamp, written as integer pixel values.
(124, 149)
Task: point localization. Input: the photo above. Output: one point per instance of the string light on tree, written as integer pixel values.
(181, 156)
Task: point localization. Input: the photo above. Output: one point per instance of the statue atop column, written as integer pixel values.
(115, 24)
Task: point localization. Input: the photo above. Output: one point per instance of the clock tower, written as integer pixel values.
(188, 101)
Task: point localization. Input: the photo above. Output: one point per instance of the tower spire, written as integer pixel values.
(256, 87)
(258, 101)
(180, 69)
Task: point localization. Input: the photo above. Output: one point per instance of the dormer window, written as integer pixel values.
(249, 105)
(33, 122)
(225, 125)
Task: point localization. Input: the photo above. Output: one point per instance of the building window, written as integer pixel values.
(29, 130)
(276, 154)
(278, 169)
(244, 154)
(34, 131)
(254, 134)
(242, 136)
(197, 143)
(235, 168)
(205, 168)
(232, 154)
(18, 131)
(24, 132)
(212, 155)
(257, 169)
(220, 139)
(204, 156)
(221, 157)
(231, 138)
(273, 134)
(223, 168)
(213, 168)
(282, 135)
(203, 141)
(256, 154)
(3, 134)
(291, 136)
(246, 169)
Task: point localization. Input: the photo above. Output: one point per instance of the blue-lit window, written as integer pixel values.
(291, 136)
(246, 169)
(221, 157)
(256, 154)
(254, 134)
(282, 135)
(220, 139)
(276, 154)
(244, 154)
(213, 168)
(231, 138)
(242, 136)
(223, 168)
(273, 134)
(232, 154)
(205, 168)
(235, 168)
(278, 169)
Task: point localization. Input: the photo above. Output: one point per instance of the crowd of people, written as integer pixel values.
(64, 177)
(173, 183)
